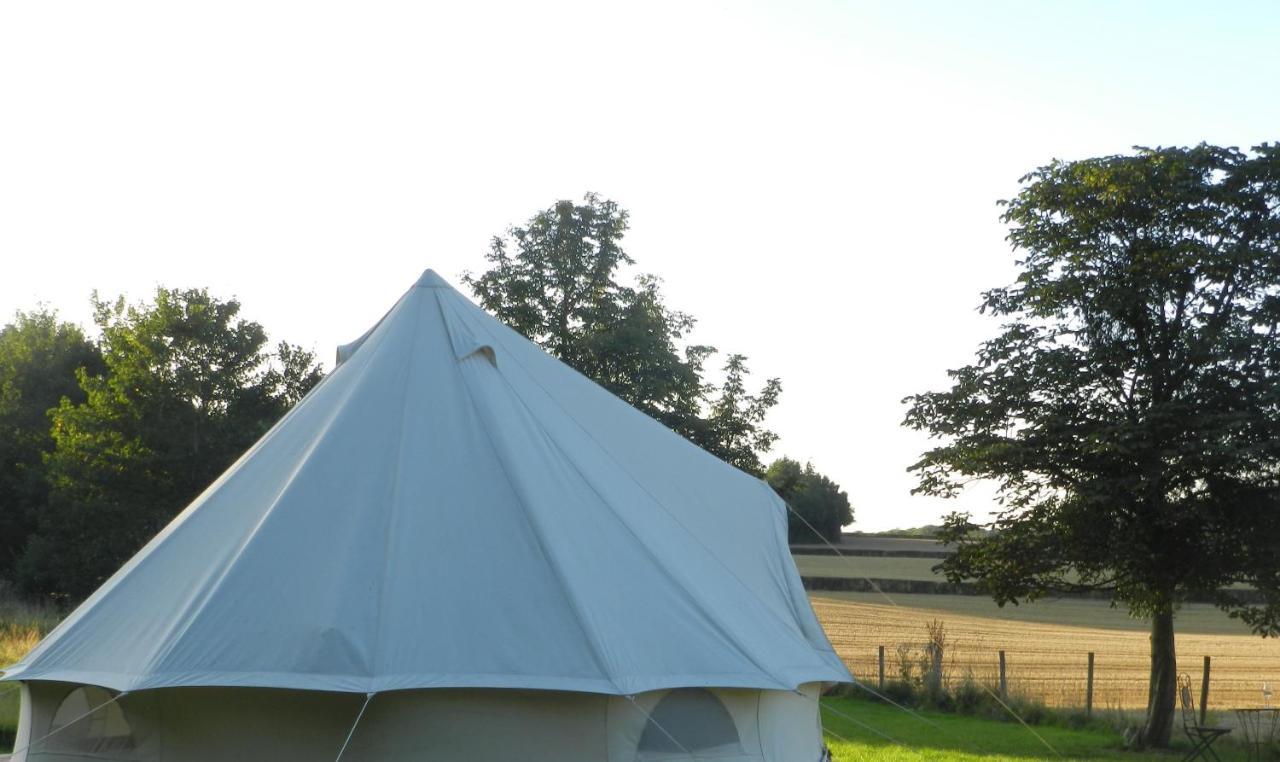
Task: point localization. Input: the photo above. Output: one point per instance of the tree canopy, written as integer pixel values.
(556, 279)
(39, 357)
(1129, 406)
(185, 387)
(819, 508)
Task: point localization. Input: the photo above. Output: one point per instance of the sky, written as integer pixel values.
(817, 182)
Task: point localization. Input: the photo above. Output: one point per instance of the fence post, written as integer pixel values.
(1004, 685)
(934, 678)
(1088, 691)
(882, 668)
(1204, 692)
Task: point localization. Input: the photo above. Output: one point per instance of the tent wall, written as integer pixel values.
(478, 725)
(790, 724)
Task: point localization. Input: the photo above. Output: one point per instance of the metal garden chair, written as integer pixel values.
(1201, 736)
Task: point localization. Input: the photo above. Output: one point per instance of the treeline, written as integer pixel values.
(103, 440)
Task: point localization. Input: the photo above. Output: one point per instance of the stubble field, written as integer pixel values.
(1046, 646)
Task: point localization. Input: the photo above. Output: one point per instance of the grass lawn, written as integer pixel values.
(951, 738)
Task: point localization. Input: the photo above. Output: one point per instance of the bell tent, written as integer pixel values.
(454, 548)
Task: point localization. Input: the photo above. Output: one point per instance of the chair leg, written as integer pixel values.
(1199, 745)
(1209, 748)
(1196, 750)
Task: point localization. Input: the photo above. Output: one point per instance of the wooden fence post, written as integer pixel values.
(1204, 692)
(1004, 685)
(934, 679)
(1088, 691)
(881, 667)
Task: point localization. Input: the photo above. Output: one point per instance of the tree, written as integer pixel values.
(816, 502)
(556, 281)
(39, 356)
(1129, 407)
(187, 386)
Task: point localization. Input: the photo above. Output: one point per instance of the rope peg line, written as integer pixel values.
(894, 603)
(1017, 717)
(351, 733)
(842, 556)
(850, 718)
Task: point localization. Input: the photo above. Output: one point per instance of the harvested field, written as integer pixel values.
(1046, 646)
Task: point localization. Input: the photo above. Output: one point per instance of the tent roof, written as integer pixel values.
(452, 507)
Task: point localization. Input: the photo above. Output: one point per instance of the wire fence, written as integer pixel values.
(1048, 661)
(1102, 684)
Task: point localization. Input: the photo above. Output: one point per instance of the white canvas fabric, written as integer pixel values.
(453, 725)
(453, 508)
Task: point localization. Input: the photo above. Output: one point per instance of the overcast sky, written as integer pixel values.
(817, 182)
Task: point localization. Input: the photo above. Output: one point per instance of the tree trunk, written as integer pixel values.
(1163, 690)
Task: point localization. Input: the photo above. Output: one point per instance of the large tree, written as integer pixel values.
(187, 385)
(1129, 406)
(39, 357)
(819, 509)
(556, 280)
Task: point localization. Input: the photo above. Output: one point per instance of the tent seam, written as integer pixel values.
(654, 499)
(103, 593)
(176, 635)
(393, 512)
(587, 632)
(725, 632)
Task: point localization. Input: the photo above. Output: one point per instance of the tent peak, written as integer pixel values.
(430, 279)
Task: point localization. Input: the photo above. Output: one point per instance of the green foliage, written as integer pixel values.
(39, 357)
(1129, 408)
(187, 386)
(819, 501)
(556, 280)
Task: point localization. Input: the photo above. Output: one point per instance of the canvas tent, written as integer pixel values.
(454, 548)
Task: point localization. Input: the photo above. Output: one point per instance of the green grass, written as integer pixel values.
(952, 738)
